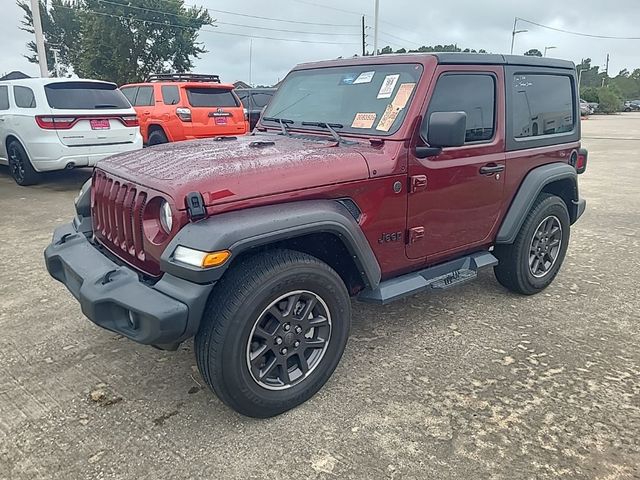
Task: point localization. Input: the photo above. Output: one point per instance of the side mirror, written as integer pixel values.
(440, 130)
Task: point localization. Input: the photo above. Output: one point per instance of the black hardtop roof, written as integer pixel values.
(498, 59)
(447, 58)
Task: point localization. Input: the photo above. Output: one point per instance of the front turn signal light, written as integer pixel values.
(200, 259)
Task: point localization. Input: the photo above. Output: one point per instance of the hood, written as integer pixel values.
(231, 170)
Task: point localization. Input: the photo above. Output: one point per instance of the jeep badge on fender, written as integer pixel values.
(254, 246)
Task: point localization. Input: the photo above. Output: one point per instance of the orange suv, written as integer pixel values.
(175, 107)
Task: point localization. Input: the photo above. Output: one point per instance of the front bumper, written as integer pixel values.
(115, 297)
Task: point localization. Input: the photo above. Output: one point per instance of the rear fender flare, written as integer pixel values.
(533, 184)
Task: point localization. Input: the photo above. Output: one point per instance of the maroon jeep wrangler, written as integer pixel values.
(375, 178)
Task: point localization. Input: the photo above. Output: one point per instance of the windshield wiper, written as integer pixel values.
(105, 105)
(283, 124)
(328, 126)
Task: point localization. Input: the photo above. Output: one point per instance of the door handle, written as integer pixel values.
(491, 169)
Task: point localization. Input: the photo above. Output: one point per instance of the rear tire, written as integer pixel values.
(273, 332)
(530, 264)
(157, 137)
(20, 166)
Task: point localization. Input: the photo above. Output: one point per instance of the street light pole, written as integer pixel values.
(37, 28)
(547, 48)
(514, 32)
(375, 27)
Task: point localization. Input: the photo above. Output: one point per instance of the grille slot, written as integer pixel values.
(117, 216)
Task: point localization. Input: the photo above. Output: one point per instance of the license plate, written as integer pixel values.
(221, 120)
(99, 124)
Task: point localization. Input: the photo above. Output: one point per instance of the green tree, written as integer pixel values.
(118, 41)
(609, 101)
(534, 52)
(589, 94)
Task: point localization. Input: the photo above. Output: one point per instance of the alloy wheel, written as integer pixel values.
(289, 340)
(16, 163)
(545, 246)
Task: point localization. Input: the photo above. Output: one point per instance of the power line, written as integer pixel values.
(576, 33)
(167, 24)
(271, 19)
(352, 12)
(162, 12)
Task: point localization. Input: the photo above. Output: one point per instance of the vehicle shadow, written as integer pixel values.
(60, 181)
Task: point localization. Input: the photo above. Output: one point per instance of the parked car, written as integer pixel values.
(585, 108)
(254, 101)
(373, 177)
(633, 106)
(52, 124)
(175, 107)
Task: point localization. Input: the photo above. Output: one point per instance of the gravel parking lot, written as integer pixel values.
(472, 383)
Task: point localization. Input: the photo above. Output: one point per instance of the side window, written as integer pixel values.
(4, 97)
(130, 93)
(24, 97)
(170, 94)
(261, 100)
(541, 105)
(145, 97)
(474, 94)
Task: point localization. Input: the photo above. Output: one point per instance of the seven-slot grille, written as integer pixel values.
(117, 216)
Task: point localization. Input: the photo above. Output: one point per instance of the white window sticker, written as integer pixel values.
(364, 77)
(388, 86)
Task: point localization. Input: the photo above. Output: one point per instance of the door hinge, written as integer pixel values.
(416, 234)
(418, 183)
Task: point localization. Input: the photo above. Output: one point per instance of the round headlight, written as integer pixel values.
(166, 217)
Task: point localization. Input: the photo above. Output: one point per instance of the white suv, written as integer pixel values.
(51, 124)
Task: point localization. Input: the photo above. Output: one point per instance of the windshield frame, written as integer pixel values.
(374, 64)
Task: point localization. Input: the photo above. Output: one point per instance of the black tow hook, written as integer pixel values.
(108, 277)
(64, 238)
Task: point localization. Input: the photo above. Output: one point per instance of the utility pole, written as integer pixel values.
(364, 45)
(606, 71)
(56, 61)
(250, 59)
(375, 27)
(37, 28)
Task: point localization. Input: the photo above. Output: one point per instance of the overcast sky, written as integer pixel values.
(404, 23)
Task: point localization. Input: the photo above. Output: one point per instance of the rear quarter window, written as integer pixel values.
(4, 97)
(542, 105)
(85, 96)
(170, 94)
(211, 97)
(24, 97)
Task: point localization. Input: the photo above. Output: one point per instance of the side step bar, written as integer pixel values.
(438, 277)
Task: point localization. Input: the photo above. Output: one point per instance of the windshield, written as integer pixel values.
(365, 99)
(85, 96)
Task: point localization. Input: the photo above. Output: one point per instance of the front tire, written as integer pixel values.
(531, 263)
(273, 332)
(20, 166)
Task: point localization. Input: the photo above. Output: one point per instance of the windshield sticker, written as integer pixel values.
(388, 85)
(347, 79)
(364, 77)
(363, 120)
(388, 117)
(404, 92)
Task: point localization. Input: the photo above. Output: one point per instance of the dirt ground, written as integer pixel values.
(468, 384)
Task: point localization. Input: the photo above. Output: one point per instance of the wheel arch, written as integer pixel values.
(558, 179)
(324, 229)
(156, 127)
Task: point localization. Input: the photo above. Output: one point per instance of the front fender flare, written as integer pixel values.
(242, 230)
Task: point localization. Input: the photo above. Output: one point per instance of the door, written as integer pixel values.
(4, 121)
(455, 197)
(215, 111)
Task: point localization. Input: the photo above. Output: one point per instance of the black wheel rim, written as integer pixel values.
(289, 340)
(16, 163)
(545, 246)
